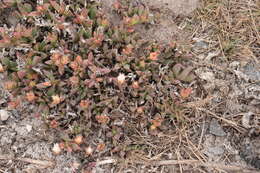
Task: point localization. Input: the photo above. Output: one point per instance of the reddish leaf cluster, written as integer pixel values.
(83, 72)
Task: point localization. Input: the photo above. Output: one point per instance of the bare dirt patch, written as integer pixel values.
(179, 7)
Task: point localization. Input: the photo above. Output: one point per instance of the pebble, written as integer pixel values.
(216, 129)
(201, 45)
(252, 72)
(215, 150)
(208, 76)
(4, 115)
(246, 119)
(28, 127)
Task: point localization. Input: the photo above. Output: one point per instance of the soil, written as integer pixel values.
(226, 106)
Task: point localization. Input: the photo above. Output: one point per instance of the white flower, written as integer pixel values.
(121, 78)
(56, 149)
(89, 150)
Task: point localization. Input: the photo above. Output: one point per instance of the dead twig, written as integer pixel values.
(232, 123)
(43, 163)
(197, 104)
(199, 163)
(104, 162)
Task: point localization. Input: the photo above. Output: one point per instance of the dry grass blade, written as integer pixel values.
(232, 123)
(197, 104)
(104, 162)
(43, 163)
(198, 163)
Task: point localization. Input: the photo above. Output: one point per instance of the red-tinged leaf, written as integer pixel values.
(104, 71)
(64, 60)
(52, 37)
(89, 83)
(74, 65)
(61, 70)
(33, 14)
(54, 124)
(78, 19)
(43, 85)
(117, 5)
(28, 32)
(75, 147)
(84, 104)
(90, 57)
(9, 85)
(185, 93)
(68, 149)
(30, 96)
(101, 147)
(62, 145)
(78, 139)
(157, 122)
(134, 20)
(154, 56)
(2, 31)
(21, 74)
(84, 12)
(128, 49)
(55, 5)
(25, 8)
(14, 104)
(56, 100)
(79, 60)
(105, 23)
(49, 62)
(102, 119)
(36, 60)
(4, 43)
(8, 3)
(37, 115)
(42, 8)
(74, 80)
(1, 68)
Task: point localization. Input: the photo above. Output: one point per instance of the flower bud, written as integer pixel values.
(1, 68)
(78, 139)
(135, 85)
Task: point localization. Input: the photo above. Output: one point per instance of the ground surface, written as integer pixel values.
(223, 40)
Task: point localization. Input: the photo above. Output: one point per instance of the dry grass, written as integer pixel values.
(233, 28)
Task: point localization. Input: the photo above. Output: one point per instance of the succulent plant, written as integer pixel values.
(76, 66)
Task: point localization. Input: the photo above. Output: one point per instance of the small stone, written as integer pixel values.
(201, 45)
(251, 71)
(215, 150)
(13, 19)
(28, 127)
(208, 76)
(4, 115)
(234, 64)
(246, 119)
(216, 129)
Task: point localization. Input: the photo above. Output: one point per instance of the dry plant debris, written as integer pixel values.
(95, 82)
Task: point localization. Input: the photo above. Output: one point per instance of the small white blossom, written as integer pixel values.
(56, 149)
(121, 78)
